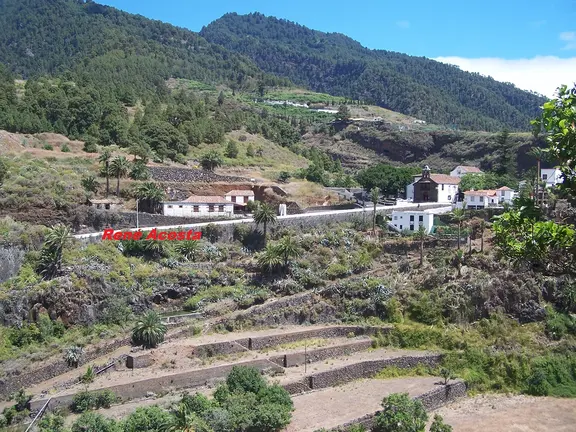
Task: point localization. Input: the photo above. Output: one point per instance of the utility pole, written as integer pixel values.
(305, 356)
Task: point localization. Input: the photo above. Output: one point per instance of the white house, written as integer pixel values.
(479, 199)
(240, 196)
(506, 195)
(199, 206)
(462, 170)
(552, 176)
(411, 220)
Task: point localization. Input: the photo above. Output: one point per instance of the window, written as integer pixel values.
(169, 206)
(449, 197)
(395, 217)
(481, 199)
(211, 208)
(442, 187)
(544, 176)
(411, 227)
(180, 206)
(196, 209)
(411, 218)
(233, 199)
(221, 208)
(472, 198)
(400, 226)
(107, 206)
(420, 218)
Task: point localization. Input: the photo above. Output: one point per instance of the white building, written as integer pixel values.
(552, 176)
(479, 199)
(506, 195)
(462, 170)
(199, 206)
(240, 196)
(445, 188)
(411, 220)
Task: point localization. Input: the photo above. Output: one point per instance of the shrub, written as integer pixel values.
(231, 150)
(65, 148)
(105, 398)
(400, 413)
(144, 419)
(73, 355)
(90, 146)
(211, 232)
(245, 379)
(93, 422)
(89, 376)
(82, 402)
(51, 423)
(47, 147)
(337, 270)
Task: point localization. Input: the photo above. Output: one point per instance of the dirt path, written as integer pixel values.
(498, 413)
(332, 407)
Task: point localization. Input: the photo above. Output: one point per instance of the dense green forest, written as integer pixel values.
(126, 57)
(333, 63)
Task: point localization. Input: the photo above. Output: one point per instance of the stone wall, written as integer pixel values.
(368, 369)
(15, 382)
(432, 400)
(162, 384)
(311, 356)
(220, 348)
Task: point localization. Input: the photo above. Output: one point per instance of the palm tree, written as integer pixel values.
(149, 331)
(539, 154)
(184, 420)
(264, 214)
(104, 158)
(421, 236)
(374, 195)
(150, 195)
(459, 215)
(270, 258)
(288, 248)
(90, 184)
(120, 168)
(457, 261)
(51, 255)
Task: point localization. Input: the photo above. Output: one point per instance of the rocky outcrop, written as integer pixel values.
(11, 259)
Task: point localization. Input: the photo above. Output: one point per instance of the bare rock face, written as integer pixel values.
(11, 259)
(189, 175)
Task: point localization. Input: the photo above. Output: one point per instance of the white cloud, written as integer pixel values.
(403, 24)
(540, 74)
(570, 39)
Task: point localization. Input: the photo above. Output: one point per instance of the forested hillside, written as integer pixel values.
(333, 63)
(94, 43)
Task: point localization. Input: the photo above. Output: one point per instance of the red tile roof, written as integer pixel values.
(207, 200)
(445, 179)
(240, 193)
(469, 169)
(481, 193)
(505, 188)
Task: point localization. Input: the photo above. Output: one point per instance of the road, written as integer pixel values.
(399, 206)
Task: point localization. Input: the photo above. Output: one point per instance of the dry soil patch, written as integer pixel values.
(498, 413)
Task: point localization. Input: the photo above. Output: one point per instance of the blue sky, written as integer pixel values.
(531, 43)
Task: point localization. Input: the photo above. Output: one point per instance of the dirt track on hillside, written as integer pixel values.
(501, 413)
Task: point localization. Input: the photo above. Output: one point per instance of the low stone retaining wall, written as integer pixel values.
(220, 348)
(368, 369)
(297, 359)
(15, 382)
(431, 400)
(163, 384)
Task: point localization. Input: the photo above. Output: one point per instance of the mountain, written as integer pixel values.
(336, 64)
(105, 46)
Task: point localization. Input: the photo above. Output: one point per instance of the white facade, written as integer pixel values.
(506, 195)
(240, 196)
(552, 176)
(480, 199)
(411, 220)
(447, 192)
(199, 207)
(461, 171)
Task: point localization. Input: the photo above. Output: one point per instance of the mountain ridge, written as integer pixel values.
(336, 64)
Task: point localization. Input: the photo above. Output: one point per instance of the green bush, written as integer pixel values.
(93, 422)
(337, 270)
(558, 324)
(82, 402)
(90, 146)
(147, 419)
(47, 147)
(65, 148)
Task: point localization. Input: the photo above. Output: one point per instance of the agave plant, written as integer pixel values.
(73, 355)
(149, 331)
